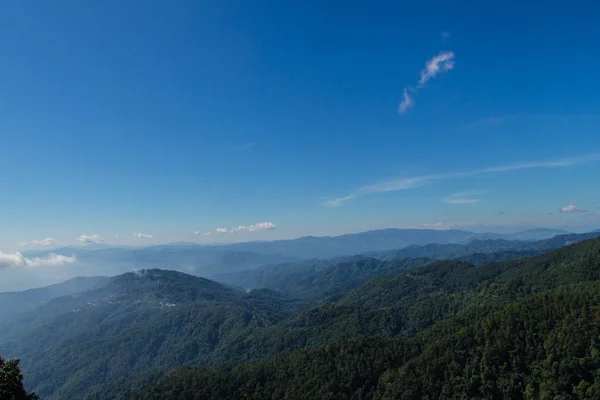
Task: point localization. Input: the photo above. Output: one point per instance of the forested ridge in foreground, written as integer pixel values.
(544, 346)
(528, 329)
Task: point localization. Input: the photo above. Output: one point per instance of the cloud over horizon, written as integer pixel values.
(571, 209)
(260, 226)
(90, 239)
(141, 235)
(18, 260)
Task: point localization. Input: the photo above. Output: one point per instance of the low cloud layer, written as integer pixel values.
(89, 239)
(18, 260)
(198, 233)
(141, 235)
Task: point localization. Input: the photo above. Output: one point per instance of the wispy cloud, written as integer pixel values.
(222, 230)
(90, 239)
(339, 201)
(488, 122)
(17, 260)
(443, 62)
(469, 197)
(419, 181)
(407, 102)
(445, 35)
(47, 242)
(141, 235)
(571, 209)
(199, 233)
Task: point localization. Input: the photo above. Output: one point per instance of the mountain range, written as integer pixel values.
(107, 338)
(212, 260)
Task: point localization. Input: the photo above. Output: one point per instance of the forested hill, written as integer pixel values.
(131, 324)
(525, 329)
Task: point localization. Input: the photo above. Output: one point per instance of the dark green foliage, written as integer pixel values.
(525, 329)
(115, 340)
(543, 347)
(11, 381)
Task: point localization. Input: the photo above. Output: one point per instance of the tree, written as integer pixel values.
(11, 381)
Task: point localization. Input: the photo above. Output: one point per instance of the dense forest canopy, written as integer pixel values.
(361, 329)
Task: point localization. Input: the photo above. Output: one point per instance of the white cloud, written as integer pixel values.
(571, 209)
(418, 181)
(260, 226)
(463, 198)
(202, 233)
(141, 235)
(17, 260)
(44, 242)
(407, 102)
(90, 239)
(441, 63)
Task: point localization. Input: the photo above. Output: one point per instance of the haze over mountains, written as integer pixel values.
(211, 260)
(107, 338)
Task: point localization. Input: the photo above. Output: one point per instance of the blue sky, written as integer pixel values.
(167, 118)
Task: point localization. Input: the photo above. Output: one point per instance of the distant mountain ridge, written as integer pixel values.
(299, 278)
(210, 260)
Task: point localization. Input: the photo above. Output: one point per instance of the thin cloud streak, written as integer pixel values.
(407, 102)
(463, 197)
(419, 181)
